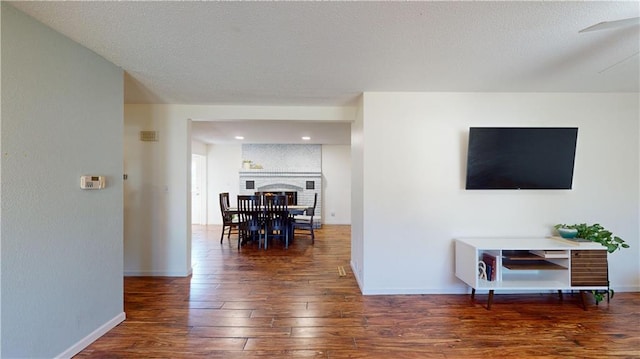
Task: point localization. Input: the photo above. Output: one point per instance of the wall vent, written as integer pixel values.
(151, 136)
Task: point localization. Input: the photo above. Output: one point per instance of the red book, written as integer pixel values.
(490, 261)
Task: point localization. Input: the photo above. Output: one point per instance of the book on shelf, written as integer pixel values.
(491, 262)
(489, 272)
(550, 253)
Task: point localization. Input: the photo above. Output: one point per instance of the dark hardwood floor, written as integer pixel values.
(294, 303)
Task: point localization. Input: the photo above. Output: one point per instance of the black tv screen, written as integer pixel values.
(521, 157)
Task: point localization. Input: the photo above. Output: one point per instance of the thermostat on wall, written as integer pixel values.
(92, 182)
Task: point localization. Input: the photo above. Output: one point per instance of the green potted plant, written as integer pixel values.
(596, 233)
(599, 234)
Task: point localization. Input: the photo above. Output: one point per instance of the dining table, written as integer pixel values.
(292, 209)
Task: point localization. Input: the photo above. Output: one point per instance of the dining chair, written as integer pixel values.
(305, 222)
(277, 220)
(229, 220)
(250, 218)
(260, 196)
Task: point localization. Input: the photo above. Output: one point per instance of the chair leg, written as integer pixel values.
(241, 236)
(291, 232)
(313, 236)
(286, 239)
(222, 234)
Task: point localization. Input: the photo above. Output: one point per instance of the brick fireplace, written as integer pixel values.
(305, 184)
(283, 168)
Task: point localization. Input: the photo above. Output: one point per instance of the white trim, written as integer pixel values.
(86, 341)
(626, 288)
(262, 173)
(151, 273)
(465, 290)
(355, 275)
(412, 291)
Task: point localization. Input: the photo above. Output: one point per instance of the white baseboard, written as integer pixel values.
(151, 273)
(86, 341)
(625, 288)
(464, 290)
(355, 274)
(411, 291)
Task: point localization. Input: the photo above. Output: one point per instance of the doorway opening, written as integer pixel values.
(198, 189)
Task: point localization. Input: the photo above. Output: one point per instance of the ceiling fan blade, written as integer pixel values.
(612, 24)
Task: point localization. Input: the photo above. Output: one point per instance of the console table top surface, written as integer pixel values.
(526, 243)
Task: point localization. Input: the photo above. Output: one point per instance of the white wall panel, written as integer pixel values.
(415, 203)
(336, 170)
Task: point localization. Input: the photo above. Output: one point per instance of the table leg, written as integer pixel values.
(583, 298)
(473, 293)
(490, 301)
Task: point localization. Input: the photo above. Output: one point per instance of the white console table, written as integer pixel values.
(534, 264)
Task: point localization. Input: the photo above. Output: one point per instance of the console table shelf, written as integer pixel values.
(532, 265)
(536, 264)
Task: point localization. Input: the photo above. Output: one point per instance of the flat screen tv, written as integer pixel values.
(521, 157)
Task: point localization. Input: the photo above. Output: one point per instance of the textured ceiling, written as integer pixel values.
(291, 132)
(327, 53)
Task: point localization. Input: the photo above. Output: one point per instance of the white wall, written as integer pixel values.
(414, 157)
(284, 157)
(357, 195)
(61, 246)
(199, 204)
(199, 148)
(157, 204)
(336, 172)
(223, 164)
(224, 161)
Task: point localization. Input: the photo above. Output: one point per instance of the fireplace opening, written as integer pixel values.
(292, 197)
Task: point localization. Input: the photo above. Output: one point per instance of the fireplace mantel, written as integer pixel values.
(267, 173)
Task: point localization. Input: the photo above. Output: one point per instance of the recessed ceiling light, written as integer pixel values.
(239, 137)
(306, 138)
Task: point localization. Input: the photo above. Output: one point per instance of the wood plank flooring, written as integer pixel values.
(294, 303)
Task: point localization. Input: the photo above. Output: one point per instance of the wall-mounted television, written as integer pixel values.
(521, 157)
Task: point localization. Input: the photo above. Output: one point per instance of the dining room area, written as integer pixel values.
(269, 195)
(310, 175)
(264, 217)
